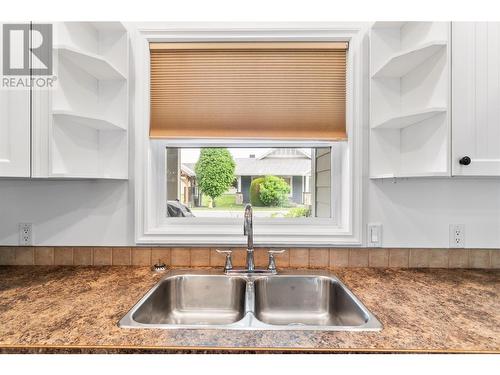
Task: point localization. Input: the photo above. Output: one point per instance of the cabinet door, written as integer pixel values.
(14, 127)
(476, 98)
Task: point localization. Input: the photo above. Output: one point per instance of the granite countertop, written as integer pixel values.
(76, 309)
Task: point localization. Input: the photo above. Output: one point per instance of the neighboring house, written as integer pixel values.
(189, 193)
(291, 164)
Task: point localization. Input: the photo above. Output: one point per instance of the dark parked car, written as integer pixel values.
(177, 209)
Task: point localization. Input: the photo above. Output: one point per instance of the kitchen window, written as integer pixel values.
(280, 182)
(278, 111)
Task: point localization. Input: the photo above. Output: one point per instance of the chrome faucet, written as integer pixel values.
(248, 231)
(250, 268)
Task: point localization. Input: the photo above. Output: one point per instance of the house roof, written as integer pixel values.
(276, 167)
(287, 153)
(263, 167)
(277, 162)
(188, 169)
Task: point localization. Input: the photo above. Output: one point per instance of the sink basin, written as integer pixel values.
(194, 300)
(300, 300)
(306, 300)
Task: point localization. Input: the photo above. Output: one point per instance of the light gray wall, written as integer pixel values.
(418, 212)
(414, 213)
(73, 213)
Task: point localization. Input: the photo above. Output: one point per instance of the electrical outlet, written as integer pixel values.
(25, 234)
(374, 235)
(457, 235)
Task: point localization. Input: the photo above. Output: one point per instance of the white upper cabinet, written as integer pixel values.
(14, 133)
(409, 99)
(14, 126)
(476, 99)
(80, 126)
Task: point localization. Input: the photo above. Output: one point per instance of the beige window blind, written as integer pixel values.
(285, 90)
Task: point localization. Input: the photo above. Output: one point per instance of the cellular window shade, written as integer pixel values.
(285, 90)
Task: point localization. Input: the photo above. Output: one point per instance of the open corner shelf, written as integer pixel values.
(410, 75)
(109, 26)
(90, 121)
(402, 63)
(93, 64)
(83, 124)
(388, 24)
(409, 118)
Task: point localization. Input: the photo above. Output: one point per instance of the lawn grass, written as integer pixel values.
(227, 202)
(239, 208)
(224, 201)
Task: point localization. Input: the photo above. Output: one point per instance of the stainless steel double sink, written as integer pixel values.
(288, 301)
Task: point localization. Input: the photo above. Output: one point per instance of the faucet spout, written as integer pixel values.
(248, 231)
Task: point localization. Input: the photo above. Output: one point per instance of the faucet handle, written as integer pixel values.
(272, 252)
(224, 251)
(272, 262)
(229, 263)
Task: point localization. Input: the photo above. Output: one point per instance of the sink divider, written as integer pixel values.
(250, 298)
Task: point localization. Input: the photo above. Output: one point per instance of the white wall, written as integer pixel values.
(72, 213)
(417, 213)
(414, 213)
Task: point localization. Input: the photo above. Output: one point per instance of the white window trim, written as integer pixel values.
(159, 189)
(149, 231)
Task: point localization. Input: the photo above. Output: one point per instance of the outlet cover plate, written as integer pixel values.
(25, 234)
(457, 236)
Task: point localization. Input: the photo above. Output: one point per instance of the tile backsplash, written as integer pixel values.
(293, 257)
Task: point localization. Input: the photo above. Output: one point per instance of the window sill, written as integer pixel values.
(231, 235)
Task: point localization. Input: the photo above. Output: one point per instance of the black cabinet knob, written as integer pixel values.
(465, 160)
